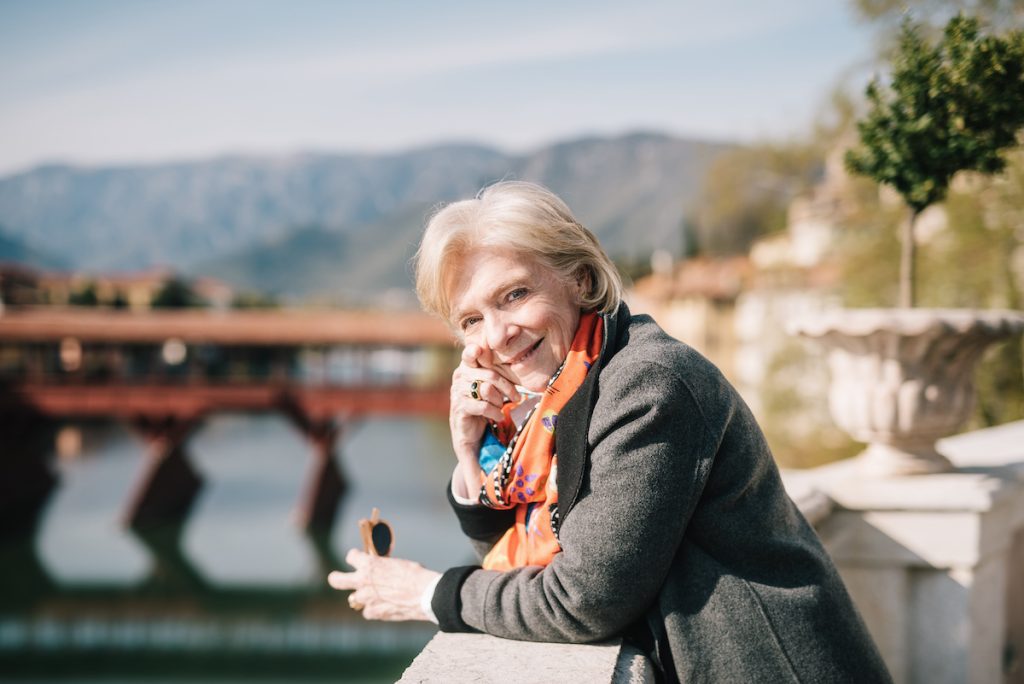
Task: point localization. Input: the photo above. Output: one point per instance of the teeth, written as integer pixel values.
(525, 355)
(529, 351)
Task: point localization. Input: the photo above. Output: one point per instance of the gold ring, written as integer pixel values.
(474, 389)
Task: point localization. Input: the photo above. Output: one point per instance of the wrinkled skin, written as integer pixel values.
(517, 321)
(384, 588)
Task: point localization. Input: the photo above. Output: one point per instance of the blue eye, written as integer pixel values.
(517, 293)
(468, 322)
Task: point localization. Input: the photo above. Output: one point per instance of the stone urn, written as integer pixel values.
(903, 378)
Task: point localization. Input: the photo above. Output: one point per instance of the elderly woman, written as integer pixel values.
(612, 480)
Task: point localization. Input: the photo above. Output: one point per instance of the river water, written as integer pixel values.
(241, 594)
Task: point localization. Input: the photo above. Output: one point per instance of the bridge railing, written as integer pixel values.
(72, 362)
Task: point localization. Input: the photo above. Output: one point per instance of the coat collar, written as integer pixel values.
(574, 420)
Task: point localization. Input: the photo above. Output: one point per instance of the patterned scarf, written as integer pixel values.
(524, 476)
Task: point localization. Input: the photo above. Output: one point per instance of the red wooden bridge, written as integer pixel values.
(163, 372)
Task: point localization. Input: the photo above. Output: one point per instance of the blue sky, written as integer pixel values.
(113, 82)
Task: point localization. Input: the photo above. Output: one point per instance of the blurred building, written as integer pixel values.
(22, 285)
(695, 301)
(735, 310)
(19, 285)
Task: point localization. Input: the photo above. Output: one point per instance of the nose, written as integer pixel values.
(499, 331)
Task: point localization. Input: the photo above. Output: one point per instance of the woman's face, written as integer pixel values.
(520, 314)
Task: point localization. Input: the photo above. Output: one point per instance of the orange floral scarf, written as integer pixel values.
(524, 477)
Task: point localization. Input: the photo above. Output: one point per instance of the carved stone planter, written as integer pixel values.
(903, 378)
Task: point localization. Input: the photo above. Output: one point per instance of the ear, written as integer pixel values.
(583, 282)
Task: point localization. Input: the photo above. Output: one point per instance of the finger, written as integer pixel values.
(485, 359)
(357, 559)
(376, 612)
(470, 355)
(502, 373)
(342, 580)
(468, 376)
(478, 408)
(493, 394)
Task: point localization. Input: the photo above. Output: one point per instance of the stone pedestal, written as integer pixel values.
(935, 563)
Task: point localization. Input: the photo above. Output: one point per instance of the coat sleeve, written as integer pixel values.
(650, 450)
(482, 525)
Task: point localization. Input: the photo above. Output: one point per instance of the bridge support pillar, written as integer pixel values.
(325, 483)
(26, 472)
(169, 484)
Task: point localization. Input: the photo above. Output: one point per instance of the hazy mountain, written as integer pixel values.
(12, 249)
(179, 214)
(339, 268)
(633, 191)
(331, 223)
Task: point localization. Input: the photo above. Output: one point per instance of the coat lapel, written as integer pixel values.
(574, 421)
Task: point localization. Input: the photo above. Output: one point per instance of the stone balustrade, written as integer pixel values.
(474, 658)
(935, 564)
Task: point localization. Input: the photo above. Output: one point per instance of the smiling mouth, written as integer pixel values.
(526, 354)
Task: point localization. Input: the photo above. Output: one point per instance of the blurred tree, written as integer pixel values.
(254, 300)
(935, 13)
(176, 294)
(689, 237)
(984, 230)
(84, 296)
(950, 107)
(633, 268)
(747, 192)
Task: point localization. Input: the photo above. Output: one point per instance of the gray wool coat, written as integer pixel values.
(675, 530)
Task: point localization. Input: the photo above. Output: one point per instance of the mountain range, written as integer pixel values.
(335, 226)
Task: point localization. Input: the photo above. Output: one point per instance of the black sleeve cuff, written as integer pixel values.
(480, 522)
(447, 600)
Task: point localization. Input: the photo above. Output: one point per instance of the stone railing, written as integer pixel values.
(474, 658)
(935, 564)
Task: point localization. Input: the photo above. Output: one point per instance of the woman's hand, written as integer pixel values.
(468, 417)
(384, 588)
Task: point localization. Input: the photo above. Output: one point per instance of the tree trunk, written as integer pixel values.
(907, 261)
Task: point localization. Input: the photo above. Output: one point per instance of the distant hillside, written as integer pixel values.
(14, 250)
(633, 191)
(336, 224)
(178, 214)
(336, 268)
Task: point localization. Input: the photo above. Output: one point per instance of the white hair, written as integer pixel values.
(524, 218)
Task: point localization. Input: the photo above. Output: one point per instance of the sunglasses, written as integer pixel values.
(378, 537)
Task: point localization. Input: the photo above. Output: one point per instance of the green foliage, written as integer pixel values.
(889, 13)
(176, 294)
(85, 296)
(746, 194)
(949, 107)
(633, 269)
(796, 421)
(983, 219)
(254, 300)
(870, 250)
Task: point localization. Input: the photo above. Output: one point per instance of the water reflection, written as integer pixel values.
(239, 586)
